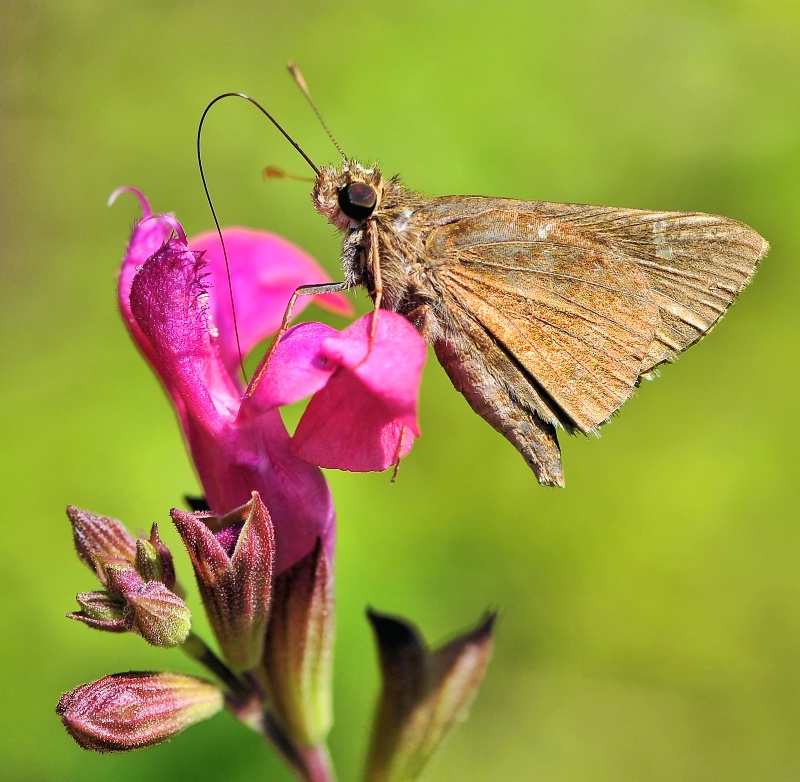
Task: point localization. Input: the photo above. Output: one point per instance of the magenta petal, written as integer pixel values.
(393, 367)
(298, 367)
(167, 301)
(265, 270)
(298, 496)
(147, 237)
(238, 445)
(365, 418)
(347, 428)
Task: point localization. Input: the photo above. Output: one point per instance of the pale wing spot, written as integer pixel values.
(663, 249)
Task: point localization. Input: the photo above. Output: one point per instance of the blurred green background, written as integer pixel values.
(650, 612)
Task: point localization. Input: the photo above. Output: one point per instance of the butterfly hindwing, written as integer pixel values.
(573, 313)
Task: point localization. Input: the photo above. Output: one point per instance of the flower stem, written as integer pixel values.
(318, 765)
(243, 696)
(196, 648)
(311, 763)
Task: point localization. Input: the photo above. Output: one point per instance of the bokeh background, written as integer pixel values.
(650, 612)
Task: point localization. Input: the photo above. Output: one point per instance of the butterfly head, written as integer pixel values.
(348, 194)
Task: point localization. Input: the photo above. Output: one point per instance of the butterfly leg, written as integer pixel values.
(303, 290)
(377, 279)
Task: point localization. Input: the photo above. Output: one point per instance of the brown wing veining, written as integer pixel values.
(695, 264)
(554, 311)
(573, 314)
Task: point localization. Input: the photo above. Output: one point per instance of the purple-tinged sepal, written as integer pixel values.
(154, 560)
(151, 610)
(232, 558)
(425, 694)
(128, 711)
(101, 610)
(298, 655)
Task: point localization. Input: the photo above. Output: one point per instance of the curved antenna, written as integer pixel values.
(211, 205)
(301, 83)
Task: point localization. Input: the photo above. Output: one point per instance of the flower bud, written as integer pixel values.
(154, 560)
(232, 558)
(158, 615)
(425, 694)
(100, 610)
(99, 537)
(129, 711)
(139, 576)
(298, 655)
(151, 610)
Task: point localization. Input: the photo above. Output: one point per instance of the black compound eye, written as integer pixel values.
(358, 200)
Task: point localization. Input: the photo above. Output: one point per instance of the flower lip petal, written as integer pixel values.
(345, 427)
(365, 417)
(298, 367)
(391, 367)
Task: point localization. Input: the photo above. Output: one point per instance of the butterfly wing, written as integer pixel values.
(574, 314)
(553, 311)
(503, 394)
(695, 264)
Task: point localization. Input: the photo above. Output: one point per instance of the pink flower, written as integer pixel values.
(363, 415)
(175, 300)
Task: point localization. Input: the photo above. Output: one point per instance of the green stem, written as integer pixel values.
(196, 648)
(309, 763)
(244, 701)
(243, 696)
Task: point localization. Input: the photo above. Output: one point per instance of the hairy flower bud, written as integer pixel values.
(154, 560)
(232, 558)
(139, 577)
(158, 615)
(151, 610)
(101, 610)
(129, 711)
(98, 538)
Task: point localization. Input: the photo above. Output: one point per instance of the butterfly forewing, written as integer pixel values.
(695, 265)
